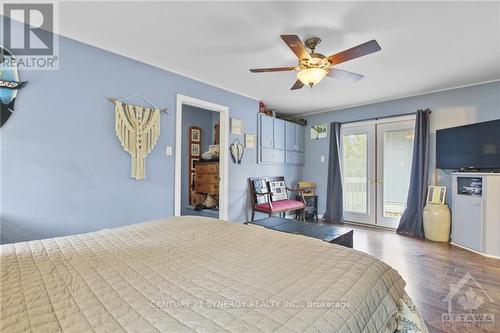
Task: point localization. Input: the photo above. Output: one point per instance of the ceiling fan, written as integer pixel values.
(313, 67)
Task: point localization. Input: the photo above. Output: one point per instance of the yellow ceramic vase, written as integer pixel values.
(437, 222)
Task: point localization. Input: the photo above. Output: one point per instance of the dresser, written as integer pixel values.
(206, 178)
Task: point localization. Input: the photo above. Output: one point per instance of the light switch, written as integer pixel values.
(168, 150)
(322, 158)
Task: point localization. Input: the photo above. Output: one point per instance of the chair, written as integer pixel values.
(271, 201)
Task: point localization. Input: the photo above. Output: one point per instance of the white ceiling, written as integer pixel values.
(425, 46)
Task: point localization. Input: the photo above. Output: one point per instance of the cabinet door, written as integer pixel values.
(290, 138)
(467, 222)
(279, 134)
(299, 137)
(268, 155)
(266, 132)
(294, 157)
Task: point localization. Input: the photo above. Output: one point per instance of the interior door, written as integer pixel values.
(358, 173)
(394, 156)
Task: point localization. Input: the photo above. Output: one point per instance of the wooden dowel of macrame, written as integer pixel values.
(114, 101)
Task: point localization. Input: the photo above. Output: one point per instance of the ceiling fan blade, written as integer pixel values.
(297, 85)
(296, 45)
(355, 52)
(344, 75)
(275, 69)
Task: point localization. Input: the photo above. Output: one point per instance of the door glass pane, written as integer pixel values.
(398, 147)
(355, 172)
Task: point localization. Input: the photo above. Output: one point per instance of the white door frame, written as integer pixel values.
(223, 157)
(375, 154)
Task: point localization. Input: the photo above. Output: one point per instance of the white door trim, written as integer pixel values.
(384, 120)
(224, 151)
(374, 155)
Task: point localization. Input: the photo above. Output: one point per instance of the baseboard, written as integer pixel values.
(471, 250)
(374, 226)
(320, 217)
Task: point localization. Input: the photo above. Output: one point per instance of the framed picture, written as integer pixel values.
(236, 126)
(193, 163)
(318, 131)
(195, 149)
(250, 141)
(195, 134)
(436, 195)
(192, 180)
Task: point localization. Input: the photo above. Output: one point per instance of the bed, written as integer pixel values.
(195, 274)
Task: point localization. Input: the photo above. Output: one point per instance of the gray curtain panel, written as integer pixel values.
(334, 204)
(411, 223)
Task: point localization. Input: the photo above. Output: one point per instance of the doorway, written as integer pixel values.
(201, 164)
(376, 164)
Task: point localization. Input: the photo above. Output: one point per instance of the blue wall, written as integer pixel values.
(63, 170)
(449, 108)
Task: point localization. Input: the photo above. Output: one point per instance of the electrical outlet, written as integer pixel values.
(168, 150)
(322, 158)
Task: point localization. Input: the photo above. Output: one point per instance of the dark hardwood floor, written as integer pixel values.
(428, 269)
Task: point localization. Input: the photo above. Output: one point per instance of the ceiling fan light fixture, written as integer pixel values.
(311, 76)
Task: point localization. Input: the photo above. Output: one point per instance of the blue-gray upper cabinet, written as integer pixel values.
(294, 137)
(290, 136)
(294, 143)
(271, 140)
(266, 132)
(279, 133)
(300, 137)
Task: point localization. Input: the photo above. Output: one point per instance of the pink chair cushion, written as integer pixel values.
(281, 205)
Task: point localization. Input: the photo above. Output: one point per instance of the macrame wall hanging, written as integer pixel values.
(138, 129)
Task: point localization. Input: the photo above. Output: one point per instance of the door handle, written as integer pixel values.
(379, 181)
(371, 181)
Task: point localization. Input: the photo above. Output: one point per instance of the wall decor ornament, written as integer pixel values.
(195, 144)
(195, 149)
(193, 163)
(318, 131)
(195, 134)
(236, 126)
(138, 129)
(9, 84)
(237, 150)
(249, 141)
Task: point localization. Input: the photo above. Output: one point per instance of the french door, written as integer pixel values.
(376, 164)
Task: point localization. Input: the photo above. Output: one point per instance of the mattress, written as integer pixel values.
(194, 274)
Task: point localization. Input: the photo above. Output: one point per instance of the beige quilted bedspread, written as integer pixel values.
(193, 274)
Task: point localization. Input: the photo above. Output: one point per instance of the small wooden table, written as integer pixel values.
(327, 232)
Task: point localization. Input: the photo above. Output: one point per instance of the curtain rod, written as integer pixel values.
(382, 117)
